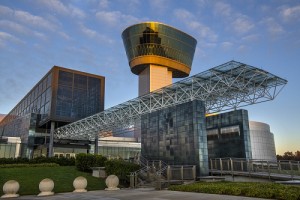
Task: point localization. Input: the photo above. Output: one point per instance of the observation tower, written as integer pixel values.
(157, 53)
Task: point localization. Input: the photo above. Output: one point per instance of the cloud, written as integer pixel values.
(250, 38)
(92, 34)
(290, 13)
(132, 4)
(190, 21)
(62, 9)
(17, 28)
(273, 27)
(64, 35)
(116, 18)
(223, 9)
(238, 22)
(159, 5)
(28, 23)
(34, 20)
(226, 45)
(242, 24)
(6, 11)
(4, 37)
(103, 3)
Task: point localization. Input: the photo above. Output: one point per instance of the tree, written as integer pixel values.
(289, 156)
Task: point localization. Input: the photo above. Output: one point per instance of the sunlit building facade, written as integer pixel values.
(60, 97)
(262, 141)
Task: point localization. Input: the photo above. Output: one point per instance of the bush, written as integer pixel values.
(29, 165)
(121, 169)
(13, 160)
(260, 190)
(62, 161)
(84, 162)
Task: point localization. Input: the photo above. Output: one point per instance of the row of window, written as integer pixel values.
(34, 101)
(78, 96)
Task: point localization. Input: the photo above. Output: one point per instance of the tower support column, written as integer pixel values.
(50, 152)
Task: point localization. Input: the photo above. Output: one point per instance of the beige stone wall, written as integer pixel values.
(153, 78)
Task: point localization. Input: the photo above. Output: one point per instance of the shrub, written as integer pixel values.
(121, 169)
(62, 161)
(28, 165)
(84, 162)
(260, 190)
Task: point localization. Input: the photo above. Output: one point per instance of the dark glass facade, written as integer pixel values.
(228, 135)
(61, 96)
(176, 135)
(153, 38)
(78, 96)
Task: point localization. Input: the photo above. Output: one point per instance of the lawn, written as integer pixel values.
(63, 177)
(259, 190)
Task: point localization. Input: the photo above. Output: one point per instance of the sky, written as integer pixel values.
(85, 35)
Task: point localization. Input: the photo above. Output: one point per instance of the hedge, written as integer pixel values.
(259, 190)
(28, 165)
(62, 161)
(121, 169)
(84, 162)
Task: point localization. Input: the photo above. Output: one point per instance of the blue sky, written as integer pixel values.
(86, 35)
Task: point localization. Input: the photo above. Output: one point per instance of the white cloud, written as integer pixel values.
(55, 5)
(95, 35)
(13, 26)
(290, 13)
(76, 12)
(17, 28)
(250, 38)
(132, 4)
(116, 18)
(242, 48)
(4, 37)
(273, 27)
(223, 9)
(238, 22)
(33, 20)
(58, 7)
(64, 35)
(103, 3)
(6, 11)
(226, 45)
(159, 5)
(190, 21)
(28, 23)
(242, 24)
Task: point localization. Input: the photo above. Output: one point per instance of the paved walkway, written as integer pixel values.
(136, 194)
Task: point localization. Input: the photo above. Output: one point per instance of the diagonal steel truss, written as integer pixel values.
(227, 86)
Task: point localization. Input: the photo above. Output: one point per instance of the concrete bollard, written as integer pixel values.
(46, 186)
(10, 189)
(80, 184)
(112, 181)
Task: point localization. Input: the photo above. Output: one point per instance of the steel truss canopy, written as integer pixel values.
(225, 87)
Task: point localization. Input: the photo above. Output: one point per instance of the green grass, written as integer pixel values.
(259, 190)
(63, 177)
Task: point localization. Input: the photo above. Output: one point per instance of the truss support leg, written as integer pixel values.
(50, 152)
(96, 145)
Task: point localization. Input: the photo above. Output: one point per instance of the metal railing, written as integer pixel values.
(278, 170)
(159, 172)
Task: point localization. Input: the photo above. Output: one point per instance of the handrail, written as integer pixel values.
(281, 169)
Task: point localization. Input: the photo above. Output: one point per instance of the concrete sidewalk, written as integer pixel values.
(136, 194)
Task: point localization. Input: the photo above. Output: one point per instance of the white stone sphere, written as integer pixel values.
(80, 184)
(46, 186)
(10, 189)
(112, 181)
